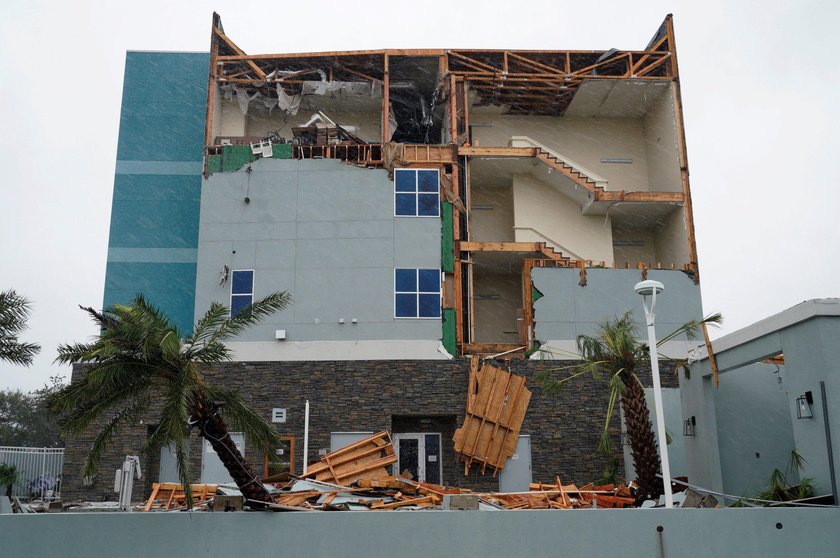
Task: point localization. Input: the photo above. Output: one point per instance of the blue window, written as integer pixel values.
(417, 293)
(241, 291)
(416, 193)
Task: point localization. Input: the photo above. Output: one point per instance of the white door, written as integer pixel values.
(516, 476)
(212, 470)
(168, 465)
(419, 453)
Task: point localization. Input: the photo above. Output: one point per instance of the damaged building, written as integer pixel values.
(421, 206)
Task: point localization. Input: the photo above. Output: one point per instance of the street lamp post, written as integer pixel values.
(649, 289)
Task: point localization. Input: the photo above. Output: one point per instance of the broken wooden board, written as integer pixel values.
(166, 496)
(365, 459)
(496, 407)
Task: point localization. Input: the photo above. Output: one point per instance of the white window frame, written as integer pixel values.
(418, 292)
(416, 194)
(251, 294)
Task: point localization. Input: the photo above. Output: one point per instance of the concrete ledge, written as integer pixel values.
(261, 351)
(646, 533)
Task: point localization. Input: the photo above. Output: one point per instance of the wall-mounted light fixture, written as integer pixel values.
(688, 426)
(803, 406)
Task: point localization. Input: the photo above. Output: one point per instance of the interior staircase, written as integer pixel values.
(576, 172)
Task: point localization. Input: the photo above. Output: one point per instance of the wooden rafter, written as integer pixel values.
(251, 64)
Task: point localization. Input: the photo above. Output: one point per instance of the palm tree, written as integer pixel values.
(14, 311)
(139, 358)
(616, 352)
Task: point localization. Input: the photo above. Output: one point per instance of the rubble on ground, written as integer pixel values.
(356, 478)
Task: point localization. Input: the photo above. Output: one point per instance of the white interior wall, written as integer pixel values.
(660, 129)
(633, 254)
(232, 119)
(584, 140)
(495, 320)
(216, 123)
(496, 224)
(672, 239)
(539, 206)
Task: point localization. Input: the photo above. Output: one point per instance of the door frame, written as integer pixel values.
(421, 452)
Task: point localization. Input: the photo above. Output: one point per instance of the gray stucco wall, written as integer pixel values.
(694, 533)
(749, 414)
(326, 232)
(754, 427)
(812, 355)
(567, 310)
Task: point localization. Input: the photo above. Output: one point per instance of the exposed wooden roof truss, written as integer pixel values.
(526, 81)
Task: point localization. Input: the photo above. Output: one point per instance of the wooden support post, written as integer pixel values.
(683, 154)
(466, 113)
(453, 111)
(386, 102)
(211, 87)
(527, 303)
(459, 292)
(472, 299)
(711, 353)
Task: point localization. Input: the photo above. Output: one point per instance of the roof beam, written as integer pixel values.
(239, 51)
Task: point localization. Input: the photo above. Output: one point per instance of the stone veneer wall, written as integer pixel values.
(365, 396)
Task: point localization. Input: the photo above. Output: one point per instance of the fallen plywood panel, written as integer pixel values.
(365, 459)
(496, 406)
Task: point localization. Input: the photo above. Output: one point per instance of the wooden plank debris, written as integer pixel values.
(167, 496)
(367, 458)
(493, 419)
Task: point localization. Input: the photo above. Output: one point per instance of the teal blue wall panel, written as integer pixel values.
(157, 188)
(164, 106)
(154, 223)
(163, 187)
(169, 286)
(159, 138)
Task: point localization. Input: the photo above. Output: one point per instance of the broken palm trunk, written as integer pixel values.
(367, 458)
(496, 406)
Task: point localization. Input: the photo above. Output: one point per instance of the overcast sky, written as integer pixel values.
(760, 88)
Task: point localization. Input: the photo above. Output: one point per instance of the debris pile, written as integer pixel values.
(356, 478)
(168, 496)
(559, 496)
(367, 458)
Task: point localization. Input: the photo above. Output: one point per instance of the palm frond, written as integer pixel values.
(14, 313)
(214, 318)
(606, 445)
(108, 431)
(251, 315)
(691, 329)
(551, 385)
(184, 472)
